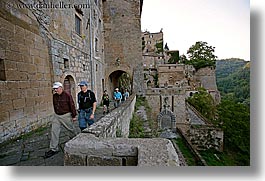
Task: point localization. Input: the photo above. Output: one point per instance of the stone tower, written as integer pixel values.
(122, 36)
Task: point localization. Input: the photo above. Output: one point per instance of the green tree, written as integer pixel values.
(182, 58)
(201, 55)
(204, 103)
(235, 120)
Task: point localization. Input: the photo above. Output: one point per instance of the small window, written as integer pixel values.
(150, 36)
(77, 25)
(96, 44)
(66, 63)
(96, 67)
(2, 70)
(84, 67)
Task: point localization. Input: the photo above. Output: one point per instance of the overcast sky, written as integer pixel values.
(223, 24)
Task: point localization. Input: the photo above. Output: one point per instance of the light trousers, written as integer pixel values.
(66, 121)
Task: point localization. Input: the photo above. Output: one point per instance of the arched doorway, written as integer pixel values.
(166, 120)
(69, 85)
(120, 79)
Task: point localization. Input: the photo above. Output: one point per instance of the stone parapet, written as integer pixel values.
(116, 123)
(87, 150)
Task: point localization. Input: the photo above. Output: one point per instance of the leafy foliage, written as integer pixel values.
(204, 103)
(159, 46)
(201, 55)
(233, 81)
(235, 120)
(174, 58)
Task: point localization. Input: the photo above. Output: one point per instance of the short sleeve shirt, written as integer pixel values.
(86, 99)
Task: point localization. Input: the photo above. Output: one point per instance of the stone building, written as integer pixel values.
(167, 85)
(43, 41)
(152, 49)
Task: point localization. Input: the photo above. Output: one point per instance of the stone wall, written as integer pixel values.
(207, 79)
(25, 82)
(204, 137)
(87, 150)
(169, 98)
(39, 46)
(116, 123)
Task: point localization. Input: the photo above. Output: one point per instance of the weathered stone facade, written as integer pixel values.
(25, 84)
(122, 36)
(46, 41)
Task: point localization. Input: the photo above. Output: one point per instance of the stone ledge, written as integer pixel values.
(85, 148)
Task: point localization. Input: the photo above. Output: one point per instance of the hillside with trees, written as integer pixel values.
(233, 113)
(233, 80)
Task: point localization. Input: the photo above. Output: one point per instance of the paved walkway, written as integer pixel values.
(29, 149)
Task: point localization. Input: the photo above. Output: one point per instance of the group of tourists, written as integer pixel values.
(66, 112)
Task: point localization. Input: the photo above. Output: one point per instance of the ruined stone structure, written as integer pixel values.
(69, 41)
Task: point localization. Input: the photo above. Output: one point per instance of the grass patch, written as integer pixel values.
(215, 158)
(136, 127)
(188, 155)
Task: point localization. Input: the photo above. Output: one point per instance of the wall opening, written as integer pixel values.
(69, 85)
(2, 70)
(120, 79)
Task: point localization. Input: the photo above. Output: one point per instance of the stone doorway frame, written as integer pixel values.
(169, 113)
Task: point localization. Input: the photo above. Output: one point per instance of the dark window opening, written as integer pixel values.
(84, 67)
(77, 25)
(96, 44)
(2, 70)
(66, 63)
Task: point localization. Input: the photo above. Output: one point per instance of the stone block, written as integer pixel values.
(14, 75)
(74, 160)
(10, 65)
(15, 56)
(104, 161)
(16, 114)
(124, 150)
(30, 101)
(4, 116)
(19, 103)
(6, 105)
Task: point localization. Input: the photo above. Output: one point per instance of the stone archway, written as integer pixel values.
(120, 79)
(69, 85)
(166, 120)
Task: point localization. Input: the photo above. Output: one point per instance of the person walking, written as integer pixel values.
(126, 94)
(105, 101)
(65, 115)
(117, 97)
(87, 106)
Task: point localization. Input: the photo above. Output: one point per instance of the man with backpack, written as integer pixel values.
(87, 106)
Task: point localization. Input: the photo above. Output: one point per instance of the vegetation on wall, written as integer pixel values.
(137, 129)
(125, 81)
(174, 57)
(159, 47)
(204, 103)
